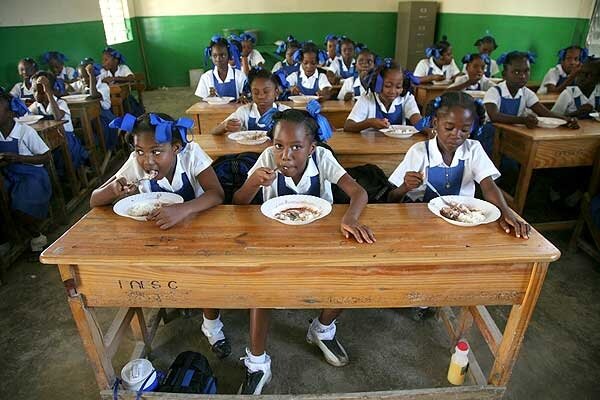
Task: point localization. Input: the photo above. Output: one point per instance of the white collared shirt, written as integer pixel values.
(30, 143)
(422, 68)
(494, 69)
(255, 58)
(102, 88)
(243, 113)
(365, 107)
(122, 71)
(335, 66)
(477, 167)
(39, 109)
(566, 101)
(328, 169)
(348, 87)
(192, 160)
(484, 82)
(528, 98)
(67, 73)
(308, 81)
(20, 86)
(330, 61)
(552, 77)
(206, 81)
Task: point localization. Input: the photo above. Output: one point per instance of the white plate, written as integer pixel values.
(243, 137)
(399, 131)
(278, 204)
(218, 100)
(29, 119)
(477, 94)
(595, 115)
(547, 122)
(442, 83)
(122, 207)
(75, 97)
(302, 99)
(491, 212)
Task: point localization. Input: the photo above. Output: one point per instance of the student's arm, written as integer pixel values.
(325, 93)
(89, 69)
(463, 85)
(509, 219)
(167, 216)
(542, 111)
(10, 158)
(552, 88)
(245, 65)
(56, 111)
(229, 125)
(260, 177)
(358, 121)
(358, 201)
(111, 190)
(496, 116)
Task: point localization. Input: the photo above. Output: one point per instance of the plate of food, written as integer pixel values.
(218, 100)
(139, 206)
(399, 131)
(29, 119)
(296, 209)
(595, 115)
(302, 99)
(464, 210)
(75, 97)
(249, 137)
(442, 83)
(547, 122)
(476, 94)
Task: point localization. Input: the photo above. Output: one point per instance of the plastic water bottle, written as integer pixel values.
(459, 364)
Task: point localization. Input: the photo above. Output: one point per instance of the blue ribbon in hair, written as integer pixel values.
(125, 123)
(163, 132)
(18, 107)
(49, 55)
(415, 80)
(116, 54)
(247, 36)
(314, 109)
(433, 52)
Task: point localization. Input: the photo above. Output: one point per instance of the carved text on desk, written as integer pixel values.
(146, 285)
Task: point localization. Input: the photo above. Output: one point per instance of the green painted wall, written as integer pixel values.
(173, 45)
(75, 40)
(543, 36)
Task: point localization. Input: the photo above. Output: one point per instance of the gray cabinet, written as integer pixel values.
(415, 31)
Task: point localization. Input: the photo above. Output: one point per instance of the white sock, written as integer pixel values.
(324, 332)
(257, 363)
(213, 329)
(258, 359)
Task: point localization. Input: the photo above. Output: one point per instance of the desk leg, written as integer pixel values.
(88, 133)
(197, 118)
(69, 169)
(515, 328)
(524, 179)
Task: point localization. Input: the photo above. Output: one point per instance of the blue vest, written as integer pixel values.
(289, 68)
(348, 73)
(507, 105)
(447, 180)
(315, 185)
(226, 89)
(186, 191)
(255, 124)
(395, 118)
(309, 91)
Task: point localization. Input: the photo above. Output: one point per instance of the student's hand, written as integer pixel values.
(263, 177)
(413, 179)
(438, 77)
(509, 220)
(233, 125)
(42, 80)
(585, 109)
(212, 92)
(108, 80)
(361, 233)
(295, 90)
(348, 96)
(474, 80)
(9, 158)
(168, 215)
(90, 70)
(120, 187)
(575, 70)
(571, 122)
(379, 123)
(530, 121)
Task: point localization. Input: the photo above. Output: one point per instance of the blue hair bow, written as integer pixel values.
(433, 52)
(248, 36)
(215, 38)
(530, 56)
(297, 56)
(49, 55)
(116, 54)
(437, 102)
(281, 48)
(164, 129)
(314, 109)
(358, 47)
(330, 36)
(125, 123)
(322, 56)
(415, 80)
(234, 54)
(281, 76)
(18, 107)
(423, 123)
(387, 62)
(235, 37)
(502, 59)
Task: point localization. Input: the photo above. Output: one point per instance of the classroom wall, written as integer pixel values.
(174, 33)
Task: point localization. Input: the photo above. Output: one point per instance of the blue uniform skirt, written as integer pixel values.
(79, 154)
(30, 189)
(110, 134)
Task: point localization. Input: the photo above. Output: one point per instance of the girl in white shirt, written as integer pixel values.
(485, 47)
(583, 97)
(223, 80)
(56, 62)
(26, 68)
(287, 48)
(310, 79)
(358, 84)
(475, 79)
(439, 64)
(251, 58)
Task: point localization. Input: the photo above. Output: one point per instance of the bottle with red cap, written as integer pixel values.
(459, 363)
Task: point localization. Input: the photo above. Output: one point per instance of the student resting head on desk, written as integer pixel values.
(287, 48)
(583, 97)
(295, 164)
(26, 181)
(26, 68)
(164, 160)
(563, 74)
(439, 64)
(257, 114)
(309, 80)
(358, 84)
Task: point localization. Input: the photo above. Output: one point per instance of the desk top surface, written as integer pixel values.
(588, 129)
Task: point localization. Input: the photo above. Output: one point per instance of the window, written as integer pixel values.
(593, 38)
(115, 18)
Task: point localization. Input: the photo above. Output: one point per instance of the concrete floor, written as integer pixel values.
(42, 356)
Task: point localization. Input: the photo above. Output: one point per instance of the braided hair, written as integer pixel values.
(442, 104)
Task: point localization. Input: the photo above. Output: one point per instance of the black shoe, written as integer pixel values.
(222, 348)
(421, 314)
(257, 380)
(332, 350)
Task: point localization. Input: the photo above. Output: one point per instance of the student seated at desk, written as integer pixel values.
(256, 115)
(163, 152)
(344, 66)
(475, 79)
(439, 64)
(387, 103)
(309, 80)
(26, 68)
(250, 57)
(332, 46)
(87, 83)
(22, 153)
(563, 74)
(296, 165)
(583, 97)
(358, 85)
(223, 80)
(485, 47)
(287, 48)
(51, 107)
(114, 71)
(56, 64)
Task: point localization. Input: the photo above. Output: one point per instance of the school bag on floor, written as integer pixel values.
(189, 373)
(371, 178)
(232, 171)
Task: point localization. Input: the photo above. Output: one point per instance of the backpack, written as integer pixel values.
(232, 171)
(371, 178)
(190, 373)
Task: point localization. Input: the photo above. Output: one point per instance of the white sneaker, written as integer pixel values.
(219, 343)
(332, 349)
(38, 243)
(257, 375)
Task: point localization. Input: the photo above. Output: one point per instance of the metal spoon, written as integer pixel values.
(438, 193)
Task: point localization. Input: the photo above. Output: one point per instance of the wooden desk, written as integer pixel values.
(118, 93)
(351, 149)
(232, 257)
(544, 148)
(548, 99)
(426, 92)
(88, 112)
(207, 116)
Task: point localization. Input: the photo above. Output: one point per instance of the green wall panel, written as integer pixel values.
(75, 40)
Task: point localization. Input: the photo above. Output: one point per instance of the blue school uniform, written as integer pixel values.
(349, 72)
(289, 68)
(447, 180)
(226, 89)
(315, 183)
